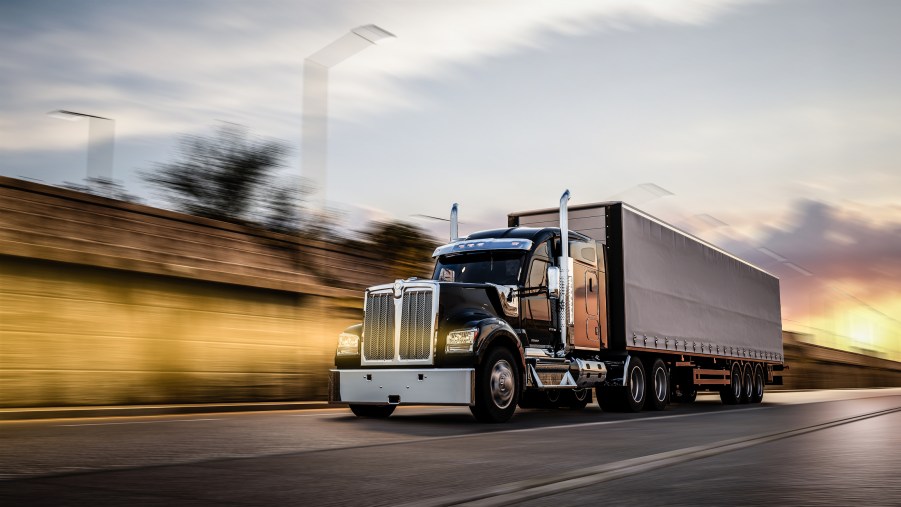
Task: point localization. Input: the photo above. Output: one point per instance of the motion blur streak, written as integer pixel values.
(105, 303)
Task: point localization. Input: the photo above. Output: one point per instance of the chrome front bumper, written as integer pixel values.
(445, 386)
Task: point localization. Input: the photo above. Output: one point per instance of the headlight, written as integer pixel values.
(460, 340)
(348, 344)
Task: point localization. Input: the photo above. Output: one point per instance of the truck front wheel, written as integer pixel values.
(496, 387)
(373, 411)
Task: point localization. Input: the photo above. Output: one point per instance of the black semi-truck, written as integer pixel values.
(562, 302)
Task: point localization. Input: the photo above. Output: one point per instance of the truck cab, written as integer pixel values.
(486, 325)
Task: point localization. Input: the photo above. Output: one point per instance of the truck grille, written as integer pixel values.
(411, 341)
(378, 327)
(416, 325)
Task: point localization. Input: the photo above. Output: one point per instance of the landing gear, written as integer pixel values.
(684, 389)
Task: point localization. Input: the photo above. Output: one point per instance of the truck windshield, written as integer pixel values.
(498, 267)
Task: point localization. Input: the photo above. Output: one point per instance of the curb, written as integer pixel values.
(25, 414)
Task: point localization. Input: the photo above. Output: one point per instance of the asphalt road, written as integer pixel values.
(810, 448)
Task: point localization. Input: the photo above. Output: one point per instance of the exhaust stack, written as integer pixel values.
(453, 223)
(564, 268)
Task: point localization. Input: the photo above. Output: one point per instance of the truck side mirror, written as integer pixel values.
(553, 281)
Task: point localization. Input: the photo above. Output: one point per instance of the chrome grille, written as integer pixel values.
(378, 327)
(416, 325)
(400, 330)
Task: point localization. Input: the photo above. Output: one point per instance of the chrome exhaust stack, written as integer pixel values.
(564, 270)
(454, 236)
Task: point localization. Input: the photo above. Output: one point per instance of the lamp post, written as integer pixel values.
(101, 132)
(314, 135)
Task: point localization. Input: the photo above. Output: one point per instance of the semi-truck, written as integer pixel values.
(564, 303)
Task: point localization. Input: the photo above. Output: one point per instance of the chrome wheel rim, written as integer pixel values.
(503, 384)
(660, 384)
(636, 384)
(759, 386)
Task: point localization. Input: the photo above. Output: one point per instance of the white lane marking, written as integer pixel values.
(520, 491)
(136, 422)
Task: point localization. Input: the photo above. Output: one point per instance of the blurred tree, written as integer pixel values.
(406, 248)
(104, 188)
(221, 176)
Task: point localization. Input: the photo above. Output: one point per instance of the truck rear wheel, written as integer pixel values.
(630, 398)
(658, 386)
(373, 411)
(496, 387)
(731, 393)
(758, 384)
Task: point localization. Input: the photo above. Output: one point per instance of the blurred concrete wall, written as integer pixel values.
(105, 302)
(816, 367)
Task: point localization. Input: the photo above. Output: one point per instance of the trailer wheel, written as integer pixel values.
(731, 393)
(373, 411)
(496, 387)
(658, 386)
(747, 383)
(758, 384)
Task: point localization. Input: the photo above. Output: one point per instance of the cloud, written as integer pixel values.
(162, 67)
(832, 256)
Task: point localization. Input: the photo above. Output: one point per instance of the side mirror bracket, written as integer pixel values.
(553, 281)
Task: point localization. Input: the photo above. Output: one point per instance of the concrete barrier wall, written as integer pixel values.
(104, 302)
(815, 367)
(107, 303)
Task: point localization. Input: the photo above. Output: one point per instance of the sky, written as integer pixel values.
(772, 126)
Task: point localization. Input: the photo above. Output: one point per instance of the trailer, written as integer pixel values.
(562, 302)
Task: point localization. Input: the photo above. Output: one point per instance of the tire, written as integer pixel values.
(747, 383)
(731, 393)
(758, 385)
(658, 386)
(630, 398)
(610, 399)
(684, 389)
(635, 392)
(497, 388)
(576, 399)
(373, 411)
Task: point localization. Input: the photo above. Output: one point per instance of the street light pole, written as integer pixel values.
(314, 135)
(101, 134)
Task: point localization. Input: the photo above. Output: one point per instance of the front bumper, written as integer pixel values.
(445, 386)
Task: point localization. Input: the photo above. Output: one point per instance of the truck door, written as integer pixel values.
(535, 307)
(586, 307)
(588, 294)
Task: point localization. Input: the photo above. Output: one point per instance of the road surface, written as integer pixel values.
(812, 448)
